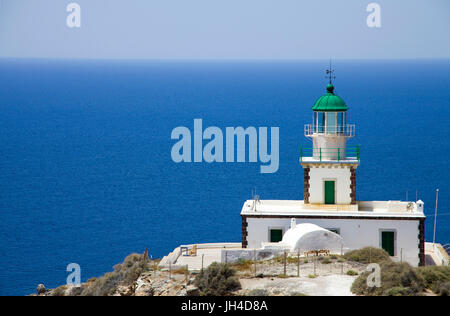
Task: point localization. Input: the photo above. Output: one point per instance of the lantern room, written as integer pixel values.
(329, 130)
(329, 113)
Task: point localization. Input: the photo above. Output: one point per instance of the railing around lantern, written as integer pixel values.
(347, 130)
(339, 154)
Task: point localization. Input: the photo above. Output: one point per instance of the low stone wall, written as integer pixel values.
(441, 254)
(233, 255)
(170, 261)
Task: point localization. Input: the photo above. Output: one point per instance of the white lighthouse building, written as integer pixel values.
(330, 196)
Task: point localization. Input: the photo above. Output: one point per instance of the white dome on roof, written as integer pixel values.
(306, 237)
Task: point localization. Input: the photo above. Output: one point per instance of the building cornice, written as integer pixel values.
(322, 216)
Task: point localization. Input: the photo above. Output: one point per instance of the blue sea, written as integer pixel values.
(86, 174)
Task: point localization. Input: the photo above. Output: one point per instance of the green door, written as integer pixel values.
(329, 192)
(387, 242)
(276, 235)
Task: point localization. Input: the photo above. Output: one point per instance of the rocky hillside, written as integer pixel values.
(139, 276)
(324, 276)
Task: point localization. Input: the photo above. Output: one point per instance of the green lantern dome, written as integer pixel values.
(330, 102)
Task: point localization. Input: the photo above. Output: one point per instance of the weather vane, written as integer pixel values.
(330, 73)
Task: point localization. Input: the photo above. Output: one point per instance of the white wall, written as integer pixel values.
(317, 176)
(329, 145)
(357, 233)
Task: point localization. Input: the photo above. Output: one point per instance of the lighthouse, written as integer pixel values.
(329, 197)
(329, 165)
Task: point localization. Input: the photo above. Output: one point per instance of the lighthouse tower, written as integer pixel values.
(330, 165)
(330, 198)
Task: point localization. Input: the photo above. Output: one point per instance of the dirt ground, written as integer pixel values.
(327, 285)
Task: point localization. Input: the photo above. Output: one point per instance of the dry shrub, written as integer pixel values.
(243, 265)
(258, 292)
(442, 288)
(181, 270)
(396, 279)
(125, 274)
(59, 291)
(437, 278)
(217, 280)
(368, 255)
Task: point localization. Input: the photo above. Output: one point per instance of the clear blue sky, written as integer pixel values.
(225, 29)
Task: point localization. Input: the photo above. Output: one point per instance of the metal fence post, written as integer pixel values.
(254, 259)
(314, 263)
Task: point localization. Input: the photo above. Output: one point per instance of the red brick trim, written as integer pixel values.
(306, 186)
(422, 242)
(353, 185)
(244, 231)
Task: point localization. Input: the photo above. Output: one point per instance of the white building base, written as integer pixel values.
(358, 229)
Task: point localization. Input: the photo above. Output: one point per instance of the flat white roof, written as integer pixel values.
(312, 160)
(394, 209)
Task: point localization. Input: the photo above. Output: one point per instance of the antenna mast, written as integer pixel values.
(255, 200)
(435, 217)
(330, 74)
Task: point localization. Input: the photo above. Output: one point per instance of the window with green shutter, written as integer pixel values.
(276, 235)
(335, 230)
